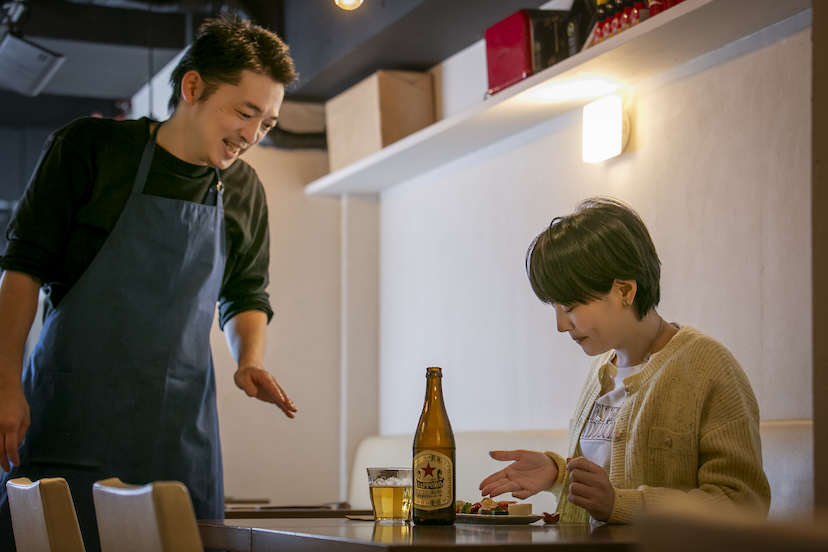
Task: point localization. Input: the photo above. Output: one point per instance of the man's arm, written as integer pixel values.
(18, 305)
(246, 337)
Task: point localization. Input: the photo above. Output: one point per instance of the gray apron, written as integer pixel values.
(121, 382)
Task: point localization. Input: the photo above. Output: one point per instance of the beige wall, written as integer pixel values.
(820, 248)
(266, 454)
(719, 168)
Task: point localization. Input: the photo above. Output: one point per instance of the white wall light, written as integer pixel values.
(348, 4)
(606, 129)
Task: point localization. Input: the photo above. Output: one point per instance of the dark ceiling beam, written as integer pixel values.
(49, 111)
(66, 20)
(334, 49)
(77, 20)
(267, 13)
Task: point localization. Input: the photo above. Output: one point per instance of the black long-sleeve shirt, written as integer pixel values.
(81, 185)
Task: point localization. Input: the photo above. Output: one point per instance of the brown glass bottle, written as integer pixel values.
(435, 483)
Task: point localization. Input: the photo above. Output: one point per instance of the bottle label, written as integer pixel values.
(433, 475)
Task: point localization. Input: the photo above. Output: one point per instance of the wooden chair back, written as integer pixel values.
(157, 517)
(43, 516)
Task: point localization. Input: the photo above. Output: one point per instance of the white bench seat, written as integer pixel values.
(787, 452)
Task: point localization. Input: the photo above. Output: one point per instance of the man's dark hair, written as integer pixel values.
(227, 45)
(579, 256)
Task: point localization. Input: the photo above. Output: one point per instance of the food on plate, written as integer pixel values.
(487, 506)
(551, 519)
(517, 509)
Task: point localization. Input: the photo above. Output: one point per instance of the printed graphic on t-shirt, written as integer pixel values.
(601, 423)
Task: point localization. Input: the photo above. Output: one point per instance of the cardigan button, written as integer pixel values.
(668, 442)
(627, 389)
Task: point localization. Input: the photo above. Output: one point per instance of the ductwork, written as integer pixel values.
(284, 139)
(171, 7)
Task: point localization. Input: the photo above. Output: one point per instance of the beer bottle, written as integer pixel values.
(434, 452)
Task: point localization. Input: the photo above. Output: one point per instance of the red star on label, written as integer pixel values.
(429, 470)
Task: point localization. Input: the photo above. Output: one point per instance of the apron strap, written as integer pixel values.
(146, 163)
(215, 195)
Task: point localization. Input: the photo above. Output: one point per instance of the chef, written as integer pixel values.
(135, 230)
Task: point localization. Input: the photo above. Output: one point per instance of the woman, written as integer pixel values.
(666, 413)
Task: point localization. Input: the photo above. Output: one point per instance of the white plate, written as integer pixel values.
(494, 519)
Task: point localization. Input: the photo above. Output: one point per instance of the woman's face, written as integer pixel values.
(598, 325)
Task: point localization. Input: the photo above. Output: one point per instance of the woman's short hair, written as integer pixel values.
(579, 256)
(227, 45)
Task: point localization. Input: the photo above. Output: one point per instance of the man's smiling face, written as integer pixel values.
(235, 117)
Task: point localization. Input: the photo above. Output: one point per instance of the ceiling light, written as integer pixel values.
(348, 4)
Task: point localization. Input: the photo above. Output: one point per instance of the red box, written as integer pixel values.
(524, 43)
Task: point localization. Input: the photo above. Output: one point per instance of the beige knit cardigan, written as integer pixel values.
(688, 431)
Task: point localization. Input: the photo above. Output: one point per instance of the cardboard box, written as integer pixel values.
(376, 112)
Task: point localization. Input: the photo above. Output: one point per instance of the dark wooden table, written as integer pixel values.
(339, 534)
(267, 511)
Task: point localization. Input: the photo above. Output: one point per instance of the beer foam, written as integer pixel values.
(391, 482)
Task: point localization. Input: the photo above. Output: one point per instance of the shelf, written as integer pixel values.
(672, 38)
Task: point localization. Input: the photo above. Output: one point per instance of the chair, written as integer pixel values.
(43, 516)
(157, 517)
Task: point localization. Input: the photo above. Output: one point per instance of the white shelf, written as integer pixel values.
(672, 38)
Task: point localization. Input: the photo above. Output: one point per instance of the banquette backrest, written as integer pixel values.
(787, 452)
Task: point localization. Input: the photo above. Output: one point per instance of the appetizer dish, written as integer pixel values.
(488, 506)
(508, 512)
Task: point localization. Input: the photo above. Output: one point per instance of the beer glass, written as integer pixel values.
(390, 490)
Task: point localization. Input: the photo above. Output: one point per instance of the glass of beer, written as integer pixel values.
(390, 494)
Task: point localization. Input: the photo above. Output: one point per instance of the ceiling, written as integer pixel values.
(112, 47)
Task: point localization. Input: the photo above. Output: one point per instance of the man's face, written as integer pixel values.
(234, 118)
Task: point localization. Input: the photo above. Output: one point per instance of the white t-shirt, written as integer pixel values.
(596, 438)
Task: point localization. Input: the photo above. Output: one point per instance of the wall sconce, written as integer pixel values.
(348, 4)
(606, 129)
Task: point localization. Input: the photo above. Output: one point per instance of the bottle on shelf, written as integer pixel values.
(578, 26)
(626, 19)
(640, 13)
(611, 6)
(655, 7)
(435, 484)
(597, 24)
(617, 17)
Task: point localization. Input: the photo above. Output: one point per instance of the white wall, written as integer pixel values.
(719, 168)
(158, 90)
(266, 454)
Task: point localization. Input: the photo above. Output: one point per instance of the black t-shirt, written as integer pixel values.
(81, 185)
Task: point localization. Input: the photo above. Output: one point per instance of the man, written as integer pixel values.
(136, 229)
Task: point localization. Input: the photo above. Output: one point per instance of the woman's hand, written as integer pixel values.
(590, 488)
(531, 473)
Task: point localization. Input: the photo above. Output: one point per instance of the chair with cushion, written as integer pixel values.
(43, 516)
(157, 517)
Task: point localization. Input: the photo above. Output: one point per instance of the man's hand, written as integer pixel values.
(246, 336)
(14, 421)
(18, 304)
(590, 488)
(531, 473)
(259, 383)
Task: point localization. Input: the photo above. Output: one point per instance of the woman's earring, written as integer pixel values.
(626, 304)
